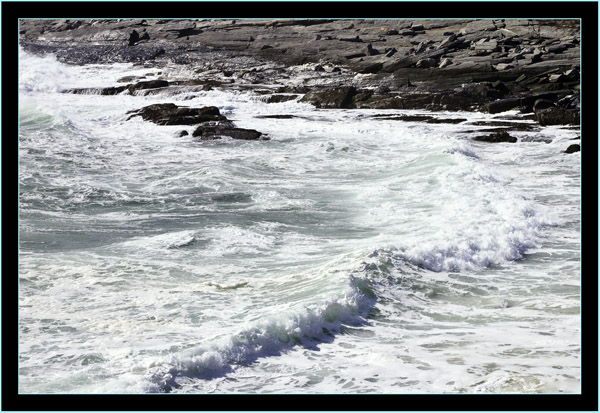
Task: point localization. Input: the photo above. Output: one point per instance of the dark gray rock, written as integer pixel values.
(572, 74)
(390, 52)
(115, 90)
(419, 118)
(399, 63)
(421, 47)
(186, 32)
(354, 55)
(354, 39)
(426, 63)
(559, 48)
(569, 102)
(502, 105)
(332, 98)
(371, 51)
(573, 148)
(219, 131)
(212, 125)
(134, 37)
(501, 88)
(557, 116)
(371, 68)
(276, 116)
(535, 139)
(501, 136)
(542, 104)
(509, 126)
(473, 46)
(527, 102)
(171, 114)
(280, 98)
(558, 78)
(448, 40)
(128, 79)
(149, 84)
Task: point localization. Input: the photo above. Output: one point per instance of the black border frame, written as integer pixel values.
(587, 11)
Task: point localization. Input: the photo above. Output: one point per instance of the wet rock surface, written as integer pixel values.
(573, 148)
(420, 118)
(171, 114)
(211, 124)
(493, 66)
(218, 131)
(501, 136)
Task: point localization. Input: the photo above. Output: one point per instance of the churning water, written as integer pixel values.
(347, 254)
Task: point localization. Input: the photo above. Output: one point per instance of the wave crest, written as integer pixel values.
(308, 329)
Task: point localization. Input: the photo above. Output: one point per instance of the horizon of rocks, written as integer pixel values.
(444, 64)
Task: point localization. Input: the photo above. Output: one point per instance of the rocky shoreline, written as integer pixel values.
(492, 66)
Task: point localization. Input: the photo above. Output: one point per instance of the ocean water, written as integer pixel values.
(347, 254)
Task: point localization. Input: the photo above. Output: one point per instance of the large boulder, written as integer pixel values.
(557, 116)
(219, 131)
(331, 98)
(502, 105)
(211, 124)
(541, 104)
(171, 114)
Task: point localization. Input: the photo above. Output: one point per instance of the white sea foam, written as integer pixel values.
(171, 240)
(266, 339)
(421, 253)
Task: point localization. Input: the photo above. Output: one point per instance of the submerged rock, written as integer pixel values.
(573, 148)
(501, 136)
(280, 98)
(276, 116)
(420, 118)
(514, 126)
(536, 139)
(115, 90)
(148, 84)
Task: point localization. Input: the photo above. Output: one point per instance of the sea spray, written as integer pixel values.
(267, 339)
(347, 254)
